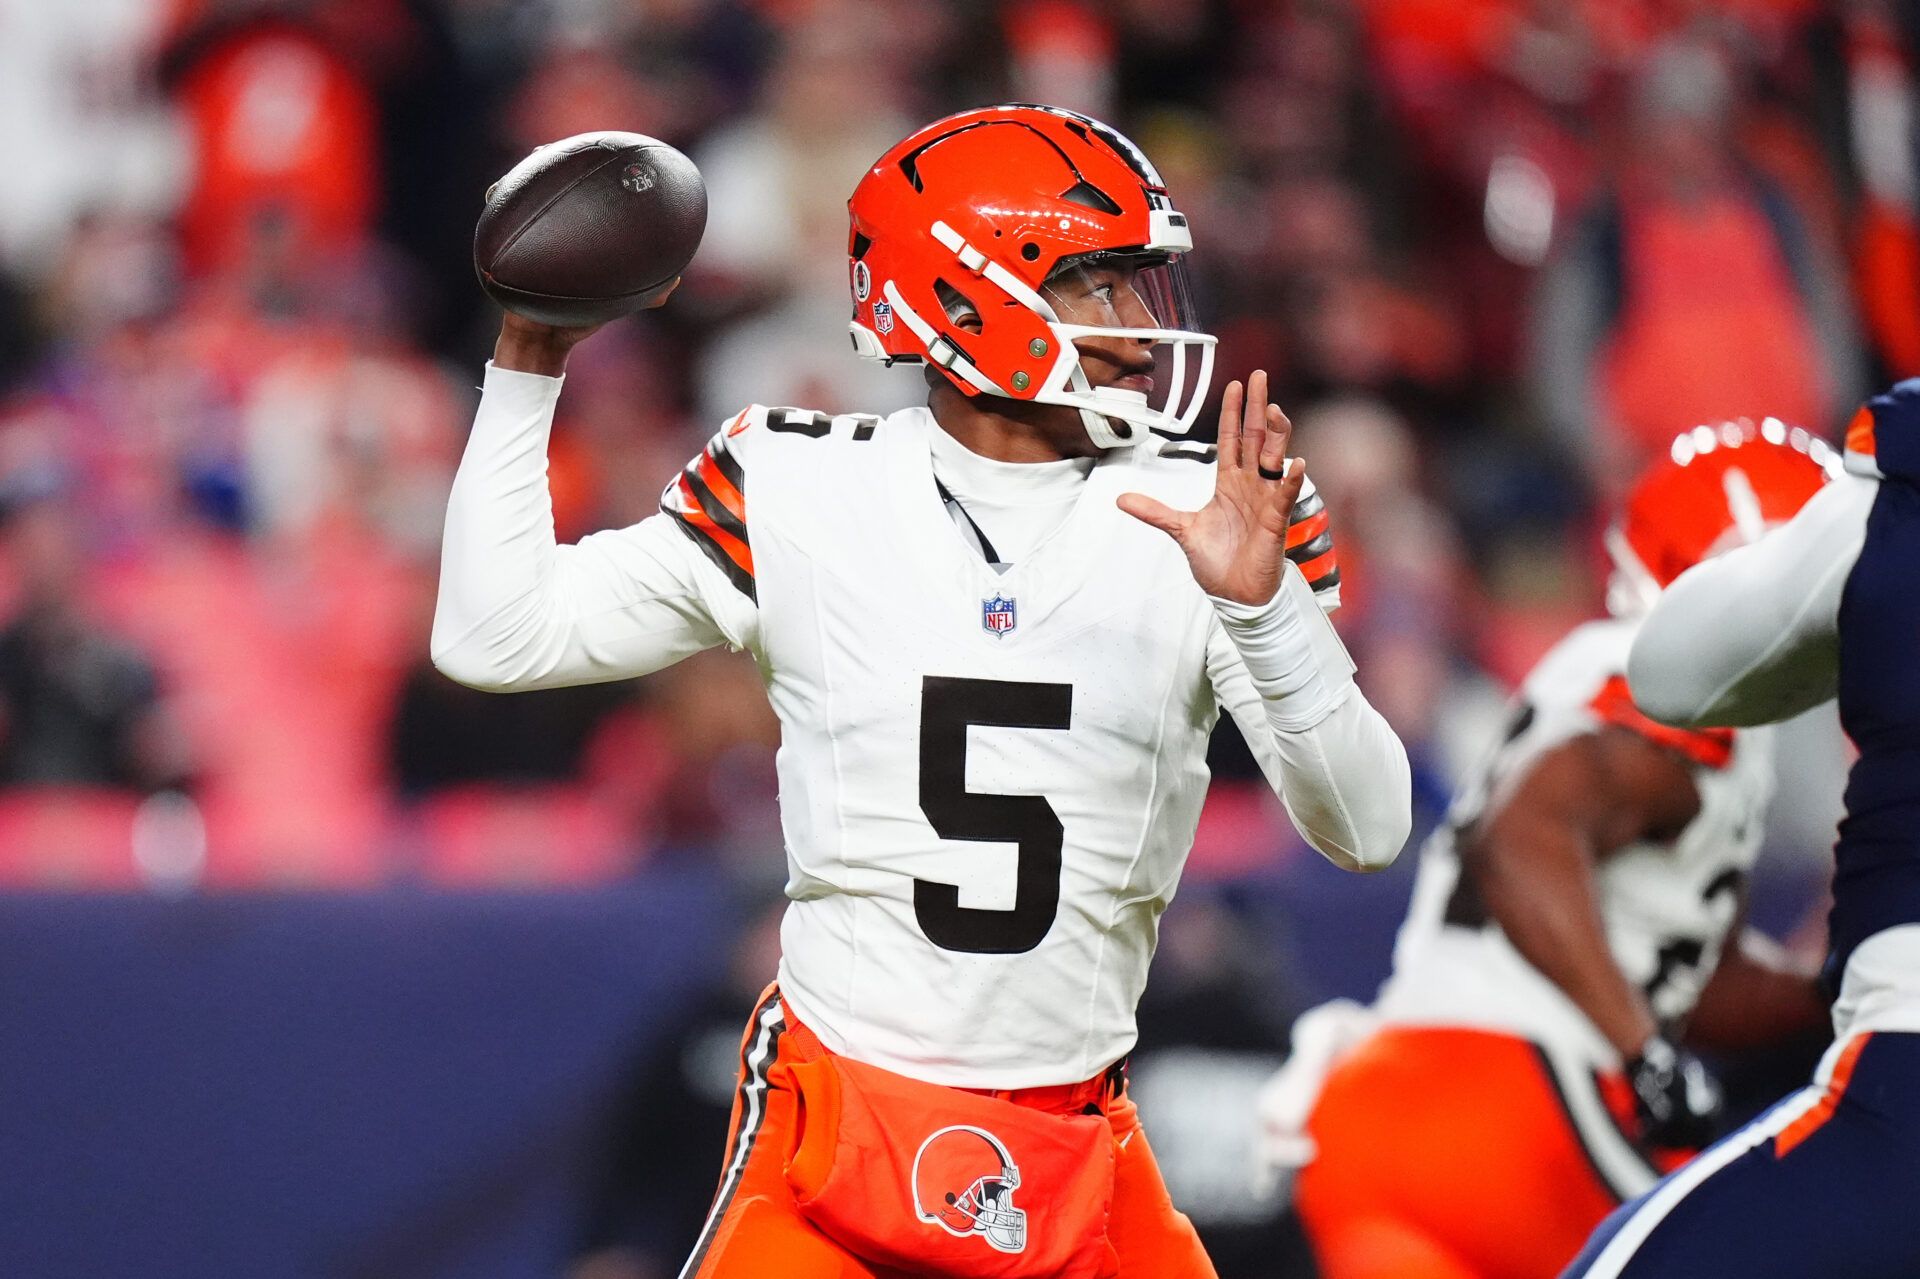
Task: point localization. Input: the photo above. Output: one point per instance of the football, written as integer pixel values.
(589, 228)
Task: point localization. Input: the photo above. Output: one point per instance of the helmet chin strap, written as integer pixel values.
(1102, 430)
(1110, 432)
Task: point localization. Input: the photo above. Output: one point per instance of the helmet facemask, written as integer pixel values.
(988, 1204)
(1138, 298)
(1131, 296)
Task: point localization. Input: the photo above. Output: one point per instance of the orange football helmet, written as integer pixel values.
(963, 1182)
(987, 242)
(1719, 487)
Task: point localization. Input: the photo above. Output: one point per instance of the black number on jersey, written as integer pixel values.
(799, 422)
(1683, 954)
(1675, 956)
(948, 707)
(814, 425)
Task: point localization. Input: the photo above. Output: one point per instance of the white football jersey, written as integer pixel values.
(1667, 906)
(989, 782)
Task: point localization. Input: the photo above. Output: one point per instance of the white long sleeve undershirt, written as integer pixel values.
(1753, 636)
(517, 611)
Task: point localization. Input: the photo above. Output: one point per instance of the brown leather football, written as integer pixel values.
(589, 228)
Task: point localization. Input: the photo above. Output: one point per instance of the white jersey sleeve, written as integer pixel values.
(1753, 636)
(517, 611)
(1286, 679)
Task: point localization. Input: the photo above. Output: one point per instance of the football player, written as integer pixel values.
(997, 631)
(1822, 1184)
(1580, 908)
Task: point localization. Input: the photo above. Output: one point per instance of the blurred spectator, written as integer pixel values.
(622, 433)
(284, 130)
(446, 736)
(1062, 53)
(1400, 616)
(1692, 291)
(777, 184)
(1876, 92)
(351, 423)
(78, 706)
(80, 126)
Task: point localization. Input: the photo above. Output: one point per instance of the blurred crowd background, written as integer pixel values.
(1495, 252)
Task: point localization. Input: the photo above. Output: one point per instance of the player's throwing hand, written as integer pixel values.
(528, 346)
(1236, 544)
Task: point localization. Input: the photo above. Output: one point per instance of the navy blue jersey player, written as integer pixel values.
(1827, 1183)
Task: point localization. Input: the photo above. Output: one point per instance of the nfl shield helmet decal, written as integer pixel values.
(883, 317)
(996, 615)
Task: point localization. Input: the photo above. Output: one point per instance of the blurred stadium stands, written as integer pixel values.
(1495, 252)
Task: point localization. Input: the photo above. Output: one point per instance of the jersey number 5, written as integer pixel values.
(948, 707)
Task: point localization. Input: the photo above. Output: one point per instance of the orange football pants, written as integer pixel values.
(755, 1230)
(1448, 1153)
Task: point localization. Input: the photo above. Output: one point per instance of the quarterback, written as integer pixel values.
(996, 632)
(1823, 608)
(1576, 922)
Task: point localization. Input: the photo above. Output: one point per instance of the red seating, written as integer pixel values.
(522, 837)
(67, 838)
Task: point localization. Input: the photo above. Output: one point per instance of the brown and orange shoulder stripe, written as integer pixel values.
(708, 500)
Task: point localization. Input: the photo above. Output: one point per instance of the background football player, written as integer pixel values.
(1822, 1184)
(1523, 1062)
(996, 631)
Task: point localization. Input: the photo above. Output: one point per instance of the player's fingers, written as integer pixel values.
(1253, 421)
(1287, 491)
(1163, 517)
(1228, 451)
(664, 294)
(1273, 444)
(1279, 430)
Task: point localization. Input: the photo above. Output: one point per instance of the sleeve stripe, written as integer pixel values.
(1613, 704)
(728, 515)
(729, 468)
(1310, 551)
(742, 581)
(729, 553)
(1306, 506)
(1302, 531)
(693, 510)
(1322, 573)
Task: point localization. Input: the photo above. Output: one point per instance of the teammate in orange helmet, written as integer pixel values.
(997, 632)
(1575, 921)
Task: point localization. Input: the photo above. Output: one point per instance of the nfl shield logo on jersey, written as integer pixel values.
(883, 317)
(996, 614)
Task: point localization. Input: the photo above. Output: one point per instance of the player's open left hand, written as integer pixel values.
(1236, 544)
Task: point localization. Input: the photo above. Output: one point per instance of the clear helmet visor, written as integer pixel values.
(1133, 357)
(1122, 291)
